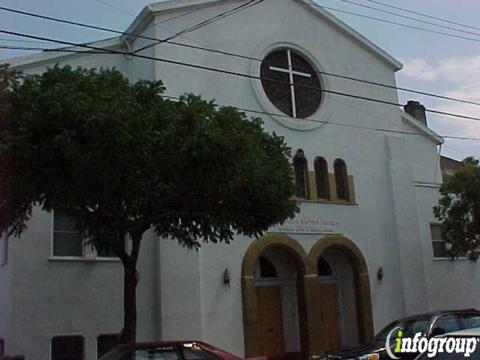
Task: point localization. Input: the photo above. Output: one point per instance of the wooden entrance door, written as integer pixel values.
(272, 340)
(329, 313)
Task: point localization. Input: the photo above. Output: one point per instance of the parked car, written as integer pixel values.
(428, 324)
(173, 350)
(461, 334)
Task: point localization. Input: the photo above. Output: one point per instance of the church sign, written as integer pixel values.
(308, 225)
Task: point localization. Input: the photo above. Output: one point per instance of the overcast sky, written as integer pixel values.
(432, 62)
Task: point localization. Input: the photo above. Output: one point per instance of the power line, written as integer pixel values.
(203, 23)
(66, 50)
(423, 14)
(409, 17)
(233, 73)
(132, 14)
(202, 67)
(24, 41)
(69, 22)
(155, 24)
(7, 47)
(104, 2)
(312, 120)
(259, 112)
(396, 23)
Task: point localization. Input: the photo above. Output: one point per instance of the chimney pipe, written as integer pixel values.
(417, 110)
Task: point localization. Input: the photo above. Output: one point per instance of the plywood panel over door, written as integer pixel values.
(269, 299)
(327, 297)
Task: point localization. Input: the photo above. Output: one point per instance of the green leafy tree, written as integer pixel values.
(119, 159)
(459, 210)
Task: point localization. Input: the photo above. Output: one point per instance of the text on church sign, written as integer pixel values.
(308, 225)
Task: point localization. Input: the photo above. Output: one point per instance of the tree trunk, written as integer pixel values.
(129, 332)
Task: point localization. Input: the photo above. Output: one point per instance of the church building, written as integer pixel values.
(364, 250)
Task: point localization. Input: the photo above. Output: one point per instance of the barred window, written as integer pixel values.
(341, 179)
(321, 178)
(291, 83)
(300, 167)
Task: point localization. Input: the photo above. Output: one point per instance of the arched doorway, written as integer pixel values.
(339, 294)
(274, 298)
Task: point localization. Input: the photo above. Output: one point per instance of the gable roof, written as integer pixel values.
(172, 5)
(56, 54)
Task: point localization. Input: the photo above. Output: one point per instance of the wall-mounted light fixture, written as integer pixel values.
(380, 274)
(226, 277)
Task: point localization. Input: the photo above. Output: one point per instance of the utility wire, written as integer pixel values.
(240, 56)
(203, 23)
(24, 41)
(259, 112)
(132, 14)
(20, 48)
(228, 72)
(113, 6)
(409, 17)
(66, 50)
(395, 23)
(159, 24)
(423, 14)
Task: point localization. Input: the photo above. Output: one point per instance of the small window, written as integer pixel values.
(321, 178)
(66, 239)
(105, 343)
(267, 270)
(324, 268)
(438, 244)
(341, 179)
(300, 168)
(67, 348)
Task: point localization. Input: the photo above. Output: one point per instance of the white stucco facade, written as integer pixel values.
(182, 294)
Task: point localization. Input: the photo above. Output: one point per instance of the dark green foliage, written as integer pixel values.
(459, 210)
(120, 158)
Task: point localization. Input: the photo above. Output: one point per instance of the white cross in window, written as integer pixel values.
(290, 73)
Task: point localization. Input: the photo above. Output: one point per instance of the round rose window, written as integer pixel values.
(291, 83)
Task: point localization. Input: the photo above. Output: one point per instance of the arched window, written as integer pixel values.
(267, 270)
(341, 179)
(324, 268)
(321, 177)
(300, 168)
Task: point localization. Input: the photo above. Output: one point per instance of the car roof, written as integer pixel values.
(175, 343)
(464, 332)
(440, 312)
